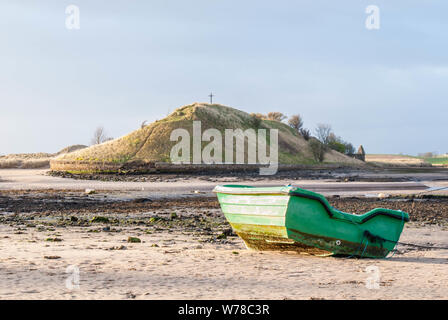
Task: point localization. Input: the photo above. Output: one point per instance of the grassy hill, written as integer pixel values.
(152, 142)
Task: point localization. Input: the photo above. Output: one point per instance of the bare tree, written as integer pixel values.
(143, 124)
(99, 136)
(296, 122)
(276, 116)
(324, 133)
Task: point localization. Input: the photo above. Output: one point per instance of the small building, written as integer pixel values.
(361, 150)
(360, 155)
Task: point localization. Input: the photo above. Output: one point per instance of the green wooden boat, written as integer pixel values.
(290, 218)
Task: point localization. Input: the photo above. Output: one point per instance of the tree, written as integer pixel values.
(276, 116)
(99, 136)
(296, 122)
(349, 148)
(323, 133)
(317, 149)
(338, 144)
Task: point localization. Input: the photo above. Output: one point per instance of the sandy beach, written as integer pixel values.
(215, 150)
(124, 244)
(174, 265)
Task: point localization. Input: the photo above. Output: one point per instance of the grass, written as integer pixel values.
(24, 163)
(437, 160)
(33, 160)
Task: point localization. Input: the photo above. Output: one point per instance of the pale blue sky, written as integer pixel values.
(137, 60)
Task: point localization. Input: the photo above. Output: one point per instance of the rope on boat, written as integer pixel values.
(367, 243)
(396, 243)
(418, 245)
(414, 245)
(367, 234)
(421, 246)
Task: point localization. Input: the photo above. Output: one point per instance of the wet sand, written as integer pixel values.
(187, 251)
(345, 183)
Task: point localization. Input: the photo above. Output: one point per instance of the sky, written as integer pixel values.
(138, 60)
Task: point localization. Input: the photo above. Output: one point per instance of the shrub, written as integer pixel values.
(256, 121)
(258, 115)
(335, 143)
(318, 150)
(276, 116)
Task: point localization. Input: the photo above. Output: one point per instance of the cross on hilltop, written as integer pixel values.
(211, 98)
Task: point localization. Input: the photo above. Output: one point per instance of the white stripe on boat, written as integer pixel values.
(257, 200)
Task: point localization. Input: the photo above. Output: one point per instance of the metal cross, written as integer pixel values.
(211, 98)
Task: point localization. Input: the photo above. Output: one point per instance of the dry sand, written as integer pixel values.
(186, 267)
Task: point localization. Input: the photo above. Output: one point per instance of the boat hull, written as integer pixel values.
(288, 218)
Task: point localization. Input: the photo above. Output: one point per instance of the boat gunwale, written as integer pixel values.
(294, 191)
